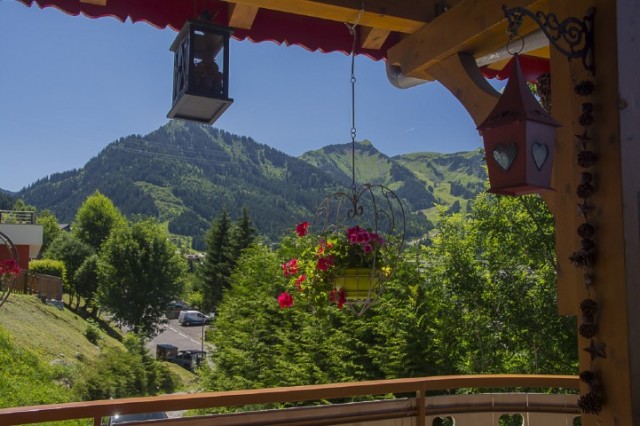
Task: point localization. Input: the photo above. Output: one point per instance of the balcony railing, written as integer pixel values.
(17, 217)
(412, 407)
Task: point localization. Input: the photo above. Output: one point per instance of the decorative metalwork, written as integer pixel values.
(181, 70)
(576, 34)
(379, 210)
(7, 281)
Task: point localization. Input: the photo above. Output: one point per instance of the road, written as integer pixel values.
(180, 336)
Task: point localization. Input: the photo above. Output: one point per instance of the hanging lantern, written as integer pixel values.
(519, 140)
(200, 72)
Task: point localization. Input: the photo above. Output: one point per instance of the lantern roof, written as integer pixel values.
(517, 103)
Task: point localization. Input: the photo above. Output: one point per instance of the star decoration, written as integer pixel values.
(596, 350)
(584, 209)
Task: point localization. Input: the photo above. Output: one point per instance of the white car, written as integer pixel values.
(193, 318)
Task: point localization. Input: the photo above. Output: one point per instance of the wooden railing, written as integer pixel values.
(413, 406)
(20, 217)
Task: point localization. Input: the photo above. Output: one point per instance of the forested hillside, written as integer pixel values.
(185, 174)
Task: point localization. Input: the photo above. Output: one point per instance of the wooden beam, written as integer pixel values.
(96, 2)
(461, 76)
(242, 15)
(474, 27)
(405, 16)
(373, 38)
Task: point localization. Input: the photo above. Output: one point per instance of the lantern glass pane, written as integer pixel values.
(207, 64)
(505, 155)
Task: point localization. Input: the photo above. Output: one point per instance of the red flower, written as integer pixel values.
(299, 281)
(9, 266)
(325, 263)
(285, 300)
(301, 229)
(290, 268)
(338, 297)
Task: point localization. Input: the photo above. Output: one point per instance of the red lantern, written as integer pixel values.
(519, 140)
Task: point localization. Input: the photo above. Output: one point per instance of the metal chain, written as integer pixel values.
(352, 31)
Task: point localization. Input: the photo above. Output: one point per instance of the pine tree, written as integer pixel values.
(243, 234)
(218, 262)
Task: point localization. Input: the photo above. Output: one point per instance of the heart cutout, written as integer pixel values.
(505, 155)
(540, 153)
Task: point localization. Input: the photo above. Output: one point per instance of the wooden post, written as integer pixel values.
(615, 201)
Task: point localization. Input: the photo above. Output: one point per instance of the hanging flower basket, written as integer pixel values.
(338, 260)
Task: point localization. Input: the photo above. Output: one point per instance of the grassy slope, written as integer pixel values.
(37, 341)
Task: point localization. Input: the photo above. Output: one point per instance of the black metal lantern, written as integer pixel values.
(201, 72)
(519, 139)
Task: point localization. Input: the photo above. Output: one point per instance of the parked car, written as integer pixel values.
(139, 417)
(188, 359)
(193, 318)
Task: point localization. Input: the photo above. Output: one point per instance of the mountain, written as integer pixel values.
(185, 174)
(422, 180)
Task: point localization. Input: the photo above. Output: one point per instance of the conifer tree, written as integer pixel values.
(243, 234)
(218, 262)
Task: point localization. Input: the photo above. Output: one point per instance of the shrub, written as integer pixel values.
(92, 332)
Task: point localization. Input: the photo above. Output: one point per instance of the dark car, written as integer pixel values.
(139, 417)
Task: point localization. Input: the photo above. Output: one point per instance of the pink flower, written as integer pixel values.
(367, 248)
(301, 229)
(299, 281)
(285, 300)
(290, 268)
(325, 263)
(9, 266)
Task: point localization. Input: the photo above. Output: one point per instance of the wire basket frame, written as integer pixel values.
(7, 281)
(377, 209)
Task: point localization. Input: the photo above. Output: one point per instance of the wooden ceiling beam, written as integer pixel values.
(242, 15)
(471, 27)
(373, 38)
(96, 2)
(406, 16)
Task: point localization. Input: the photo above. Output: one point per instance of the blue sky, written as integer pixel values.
(71, 85)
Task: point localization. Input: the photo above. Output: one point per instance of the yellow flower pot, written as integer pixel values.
(358, 283)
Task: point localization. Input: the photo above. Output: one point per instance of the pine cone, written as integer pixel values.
(587, 244)
(587, 158)
(588, 377)
(585, 119)
(586, 230)
(585, 190)
(588, 330)
(590, 403)
(589, 308)
(584, 88)
(582, 259)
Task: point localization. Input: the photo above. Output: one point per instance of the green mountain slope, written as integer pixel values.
(185, 174)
